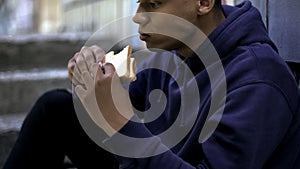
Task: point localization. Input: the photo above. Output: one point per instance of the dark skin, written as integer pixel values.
(84, 64)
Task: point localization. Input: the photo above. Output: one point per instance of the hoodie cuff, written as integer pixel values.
(133, 141)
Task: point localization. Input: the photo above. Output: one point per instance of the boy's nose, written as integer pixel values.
(140, 18)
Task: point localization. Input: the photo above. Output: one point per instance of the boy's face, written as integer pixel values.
(158, 18)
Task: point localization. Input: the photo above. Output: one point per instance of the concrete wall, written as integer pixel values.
(282, 19)
(284, 27)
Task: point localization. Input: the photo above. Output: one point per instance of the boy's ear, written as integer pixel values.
(205, 6)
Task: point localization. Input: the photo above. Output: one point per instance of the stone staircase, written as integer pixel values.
(29, 66)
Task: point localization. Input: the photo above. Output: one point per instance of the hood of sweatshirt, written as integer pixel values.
(243, 26)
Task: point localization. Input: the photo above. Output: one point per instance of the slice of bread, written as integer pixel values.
(123, 63)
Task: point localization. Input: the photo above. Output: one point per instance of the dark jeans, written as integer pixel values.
(50, 131)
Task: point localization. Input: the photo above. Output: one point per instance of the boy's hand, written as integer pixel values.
(95, 54)
(102, 94)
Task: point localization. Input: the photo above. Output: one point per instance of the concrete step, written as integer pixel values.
(20, 89)
(9, 130)
(39, 51)
(10, 125)
(7, 140)
(32, 64)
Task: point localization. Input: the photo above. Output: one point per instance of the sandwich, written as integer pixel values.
(125, 65)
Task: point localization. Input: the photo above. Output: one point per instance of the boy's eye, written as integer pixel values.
(153, 4)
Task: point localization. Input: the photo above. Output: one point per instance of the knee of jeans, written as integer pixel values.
(53, 106)
(57, 98)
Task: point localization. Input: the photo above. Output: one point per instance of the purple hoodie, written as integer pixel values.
(257, 128)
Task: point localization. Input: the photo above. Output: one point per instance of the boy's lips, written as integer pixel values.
(144, 36)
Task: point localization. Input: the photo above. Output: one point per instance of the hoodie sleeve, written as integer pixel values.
(250, 129)
(151, 145)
